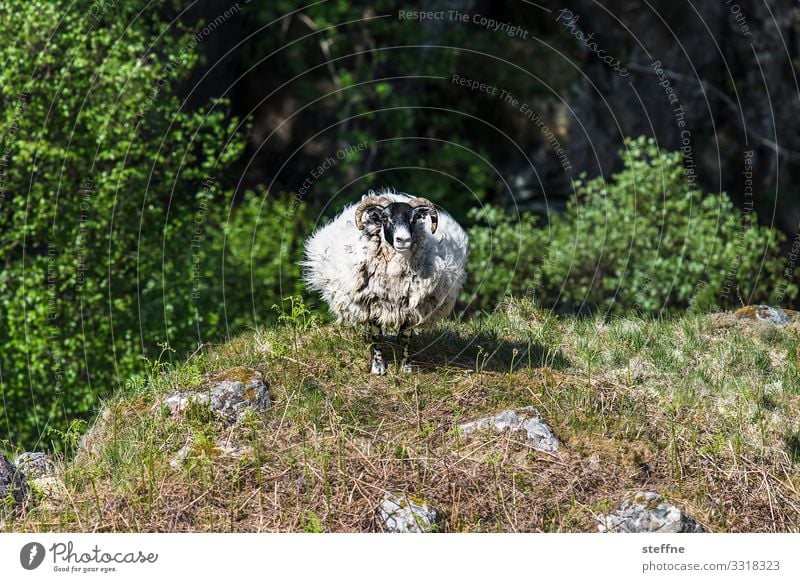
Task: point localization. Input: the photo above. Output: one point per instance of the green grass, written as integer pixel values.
(702, 409)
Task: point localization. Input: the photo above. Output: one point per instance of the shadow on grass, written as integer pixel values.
(792, 442)
(480, 352)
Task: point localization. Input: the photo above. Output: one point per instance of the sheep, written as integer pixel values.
(376, 264)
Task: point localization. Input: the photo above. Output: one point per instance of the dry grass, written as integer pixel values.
(704, 413)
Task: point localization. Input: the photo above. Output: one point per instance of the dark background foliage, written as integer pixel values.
(162, 165)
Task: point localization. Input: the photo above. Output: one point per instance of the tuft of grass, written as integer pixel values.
(702, 412)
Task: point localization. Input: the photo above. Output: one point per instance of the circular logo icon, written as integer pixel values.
(31, 555)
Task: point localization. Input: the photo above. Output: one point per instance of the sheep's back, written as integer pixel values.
(448, 249)
(334, 265)
(360, 284)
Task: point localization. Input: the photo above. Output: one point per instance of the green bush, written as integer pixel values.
(505, 254)
(104, 169)
(640, 240)
(250, 263)
(116, 224)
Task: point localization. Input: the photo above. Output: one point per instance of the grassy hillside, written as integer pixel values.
(703, 409)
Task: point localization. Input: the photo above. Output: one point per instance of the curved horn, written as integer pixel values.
(419, 201)
(366, 203)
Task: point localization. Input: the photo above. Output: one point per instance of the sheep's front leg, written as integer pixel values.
(405, 334)
(378, 364)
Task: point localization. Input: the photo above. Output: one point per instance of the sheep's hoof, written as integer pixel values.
(378, 368)
(406, 367)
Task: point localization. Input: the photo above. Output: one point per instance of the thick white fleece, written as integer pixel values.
(363, 279)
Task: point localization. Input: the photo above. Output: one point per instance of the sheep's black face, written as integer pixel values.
(399, 221)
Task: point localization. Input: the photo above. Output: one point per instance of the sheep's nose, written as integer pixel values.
(402, 240)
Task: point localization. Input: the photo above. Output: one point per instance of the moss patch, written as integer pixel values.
(236, 374)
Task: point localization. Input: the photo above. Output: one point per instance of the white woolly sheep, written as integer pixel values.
(377, 264)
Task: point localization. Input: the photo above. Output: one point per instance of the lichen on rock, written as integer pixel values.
(14, 489)
(527, 419)
(648, 512)
(210, 450)
(776, 316)
(402, 513)
(34, 465)
(228, 394)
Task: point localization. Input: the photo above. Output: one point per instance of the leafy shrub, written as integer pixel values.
(249, 262)
(640, 240)
(116, 224)
(505, 254)
(104, 170)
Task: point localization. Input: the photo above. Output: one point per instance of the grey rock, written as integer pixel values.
(228, 394)
(218, 450)
(401, 513)
(34, 465)
(773, 315)
(181, 456)
(13, 487)
(648, 512)
(51, 491)
(539, 434)
(178, 402)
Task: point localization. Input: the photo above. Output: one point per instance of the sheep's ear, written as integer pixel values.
(426, 208)
(364, 209)
(421, 212)
(374, 215)
(372, 219)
